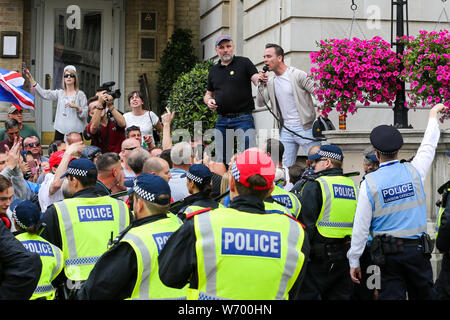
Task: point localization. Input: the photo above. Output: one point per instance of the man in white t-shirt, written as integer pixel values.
(51, 189)
(289, 93)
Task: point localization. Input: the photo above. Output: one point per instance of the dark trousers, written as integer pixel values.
(409, 271)
(58, 136)
(442, 285)
(361, 291)
(326, 281)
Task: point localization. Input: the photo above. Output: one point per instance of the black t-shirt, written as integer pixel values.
(232, 85)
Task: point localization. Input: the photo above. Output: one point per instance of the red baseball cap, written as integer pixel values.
(251, 162)
(55, 158)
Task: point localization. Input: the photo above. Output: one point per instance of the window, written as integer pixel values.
(147, 48)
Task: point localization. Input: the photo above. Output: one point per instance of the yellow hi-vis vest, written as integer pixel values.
(274, 207)
(439, 216)
(245, 255)
(147, 242)
(339, 196)
(86, 226)
(193, 208)
(52, 263)
(288, 199)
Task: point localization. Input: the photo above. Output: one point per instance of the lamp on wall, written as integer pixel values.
(10, 42)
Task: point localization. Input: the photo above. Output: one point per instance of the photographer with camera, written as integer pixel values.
(107, 126)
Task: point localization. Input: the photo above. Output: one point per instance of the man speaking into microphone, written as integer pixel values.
(289, 93)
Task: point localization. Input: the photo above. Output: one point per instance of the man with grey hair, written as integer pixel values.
(229, 93)
(182, 157)
(136, 160)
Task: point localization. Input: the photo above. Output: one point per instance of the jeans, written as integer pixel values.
(292, 142)
(242, 127)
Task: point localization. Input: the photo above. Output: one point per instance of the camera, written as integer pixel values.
(108, 87)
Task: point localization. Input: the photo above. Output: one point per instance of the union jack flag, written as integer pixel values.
(11, 90)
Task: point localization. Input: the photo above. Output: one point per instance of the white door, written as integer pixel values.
(78, 33)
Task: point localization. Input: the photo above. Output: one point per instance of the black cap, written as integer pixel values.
(386, 139)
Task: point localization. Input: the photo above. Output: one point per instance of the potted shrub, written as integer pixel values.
(186, 99)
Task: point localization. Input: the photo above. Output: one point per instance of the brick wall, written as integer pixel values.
(186, 16)
(15, 15)
(11, 19)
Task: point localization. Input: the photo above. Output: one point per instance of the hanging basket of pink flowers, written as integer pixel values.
(352, 70)
(427, 69)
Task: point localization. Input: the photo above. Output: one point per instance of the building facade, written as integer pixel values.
(106, 40)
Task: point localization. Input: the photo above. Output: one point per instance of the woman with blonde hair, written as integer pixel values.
(72, 109)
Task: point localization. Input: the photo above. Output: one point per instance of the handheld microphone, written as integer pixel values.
(264, 69)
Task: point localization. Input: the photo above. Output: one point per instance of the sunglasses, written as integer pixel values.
(129, 149)
(33, 144)
(69, 75)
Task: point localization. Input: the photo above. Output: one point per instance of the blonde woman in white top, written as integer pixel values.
(72, 109)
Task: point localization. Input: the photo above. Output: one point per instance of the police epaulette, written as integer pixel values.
(289, 216)
(312, 177)
(409, 160)
(190, 215)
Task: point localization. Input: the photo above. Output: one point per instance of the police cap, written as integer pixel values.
(386, 139)
(328, 151)
(26, 213)
(199, 173)
(80, 168)
(149, 187)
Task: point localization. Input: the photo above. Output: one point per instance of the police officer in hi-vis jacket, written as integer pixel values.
(239, 252)
(129, 269)
(83, 225)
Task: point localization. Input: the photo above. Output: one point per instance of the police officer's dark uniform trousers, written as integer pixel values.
(442, 285)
